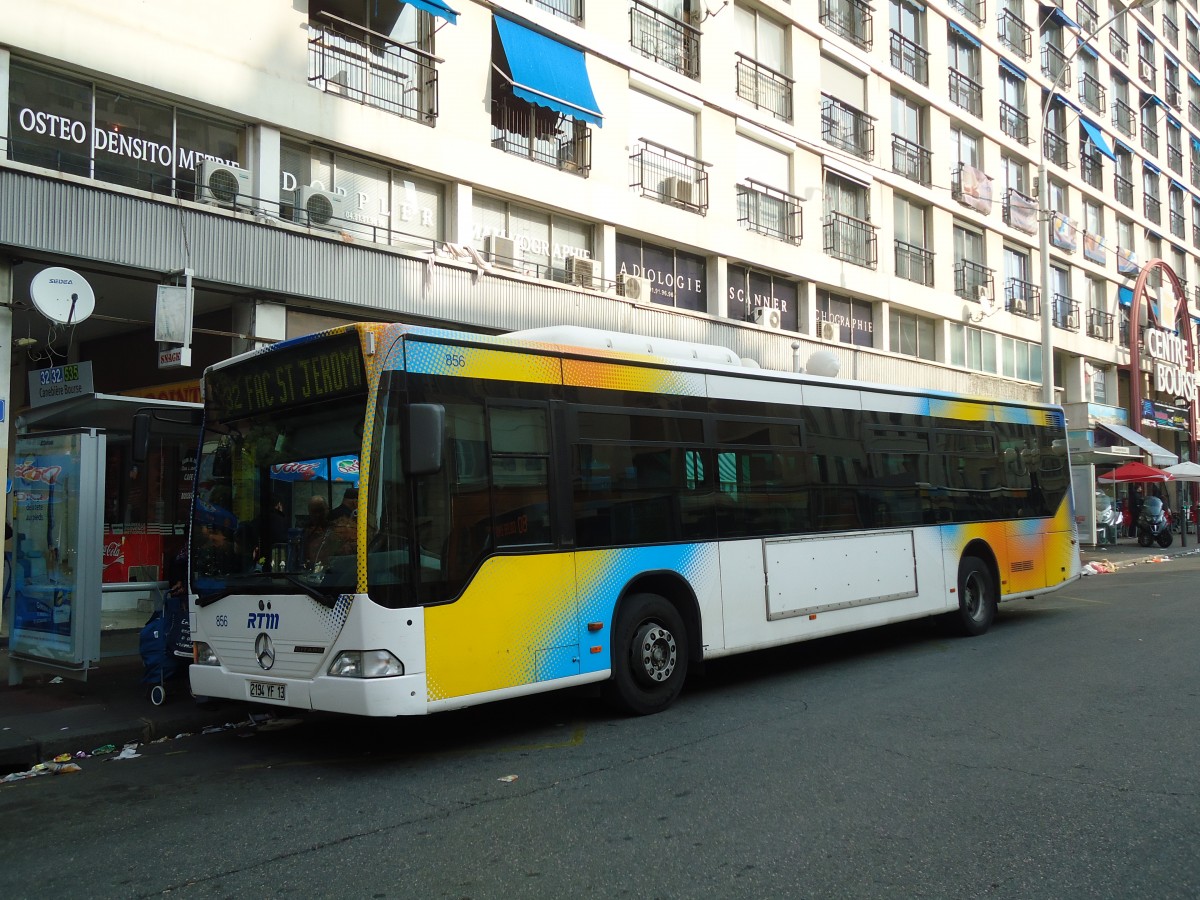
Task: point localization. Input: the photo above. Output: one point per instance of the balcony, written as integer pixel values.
(1020, 211)
(665, 39)
(1014, 123)
(1055, 65)
(850, 19)
(1086, 16)
(912, 160)
(1194, 171)
(850, 239)
(356, 63)
(770, 211)
(1123, 190)
(914, 263)
(1149, 140)
(973, 280)
(1065, 313)
(1148, 72)
(965, 93)
(1092, 93)
(1014, 34)
(1100, 325)
(571, 10)
(1193, 115)
(1055, 147)
(1177, 224)
(910, 58)
(1117, 45)
(1124, 119)
(845, 127)
(764, 87)
(1091, 169)
(1022, 298)
(972, 9)
(1193, 55)
(669, 176)
(540, 135)
(1152, 207)
(1175, 159)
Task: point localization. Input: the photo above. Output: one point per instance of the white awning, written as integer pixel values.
(1159, 455)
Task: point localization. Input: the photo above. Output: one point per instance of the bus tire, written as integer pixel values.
(976, 597)
(650, 655)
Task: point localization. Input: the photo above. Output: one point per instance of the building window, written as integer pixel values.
(676, 278)
(848, 232)
(911, 335)
(1013, 120)
(1021, 296)
(850, 19)
(659, 30)
(844, 123)
(764, 203)
(751, 290)
(966, 92)
(911, 156)
(855, 319)
(763, 70)
(914, 260)
(972, 278)
(531, 241)
(972, 348)
(663, 164)
(1014, 33)
(907, 41)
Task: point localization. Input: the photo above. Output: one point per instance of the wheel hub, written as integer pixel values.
(655, 649)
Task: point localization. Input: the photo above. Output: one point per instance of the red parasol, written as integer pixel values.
(1135, 471)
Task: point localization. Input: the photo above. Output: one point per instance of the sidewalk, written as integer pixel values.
(44, 717)
(1127, 552)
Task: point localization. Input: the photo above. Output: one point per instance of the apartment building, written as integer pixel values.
(774, 176)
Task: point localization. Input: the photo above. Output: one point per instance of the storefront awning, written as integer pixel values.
(546, 73)
(436, 8)
(1159, 455)
(1096, 136)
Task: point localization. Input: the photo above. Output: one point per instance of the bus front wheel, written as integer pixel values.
(976, 597)
(650, 655)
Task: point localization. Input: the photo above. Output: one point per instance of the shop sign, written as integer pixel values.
(60, 383)
(1160, 415)
(1171, 375)
(174, 357)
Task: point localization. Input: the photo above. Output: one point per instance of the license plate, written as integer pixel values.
(268, 690)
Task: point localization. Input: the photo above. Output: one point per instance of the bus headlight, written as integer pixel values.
(366, 664)
(205, 655)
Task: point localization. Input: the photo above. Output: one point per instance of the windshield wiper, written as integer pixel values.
(325, 600)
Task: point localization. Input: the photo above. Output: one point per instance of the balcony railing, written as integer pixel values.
(1022, 298)
(846, 127)
(851, 19)
(1091, 169)
(912, 160)
(972, 9)
(851, 239)
(1177, 224)
(1055, 148)
(1194, 173)
(1150, 140)
(541, 135)
(1193, 55)
(909, 57)
(1124, 119)
(669, 176)
(914, 263)
(764, 87)
(571, 10)
(1123, 190)
(770, 211)
(1152, 207)
(664, 39)
(1014, 123)
(972, 280)
(1117, 45)
(1170, 31)
(1092, 93)
(356, 63)
(966, 93)
(1100, 324)
(1193, 114)
(1020, 211)
(1055, 65)
(1174, 95)
(1085, 15)
(1147, 71)
(1066, 312)
(1175, 159)
(1014, 34)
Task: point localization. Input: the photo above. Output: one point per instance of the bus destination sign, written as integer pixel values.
(312, 372)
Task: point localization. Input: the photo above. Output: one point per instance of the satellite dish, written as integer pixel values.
(62, 296)
(824, 363)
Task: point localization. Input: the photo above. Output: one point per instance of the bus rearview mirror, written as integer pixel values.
(426, 436)
(142, 423)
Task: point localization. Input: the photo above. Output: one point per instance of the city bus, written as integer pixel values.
(394, 520)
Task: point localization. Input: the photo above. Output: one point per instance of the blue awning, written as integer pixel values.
(546, 73)
(1124, 146)
(1196, 143)
(1067, 103)
(436, 8)
(1096, 136)
(1056, 13)
(1193, 79)
(1172, 121)
(1176, 184)
(1156, 101)
(1088, 49)
(1152, 167)
(1146, 34)
(965, 35)
(1125, 296)
(1011, 69)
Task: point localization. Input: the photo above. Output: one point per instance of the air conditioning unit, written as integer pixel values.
(582, 272)
(1146, 71)
(1019, 305)
(768, 318)
(220, 184)
(634, 288)
(677, 190)
(827, 331)
(501, 251)
(320, 208)
(1073, 321)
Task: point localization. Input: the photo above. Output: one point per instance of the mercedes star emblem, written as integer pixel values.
(264, 650)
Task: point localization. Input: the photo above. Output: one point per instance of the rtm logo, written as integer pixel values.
(262, 621)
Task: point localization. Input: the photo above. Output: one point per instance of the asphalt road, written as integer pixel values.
(1055, 757)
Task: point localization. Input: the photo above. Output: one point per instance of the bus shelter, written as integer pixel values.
(94, 531)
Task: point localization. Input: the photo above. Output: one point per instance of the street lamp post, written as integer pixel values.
(1044, 211)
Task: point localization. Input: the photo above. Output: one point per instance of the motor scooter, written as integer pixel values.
(1152, 524)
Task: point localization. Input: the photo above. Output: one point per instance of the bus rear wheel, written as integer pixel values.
(976, 597)
(650, 655)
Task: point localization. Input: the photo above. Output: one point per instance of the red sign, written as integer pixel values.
(123, 552)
